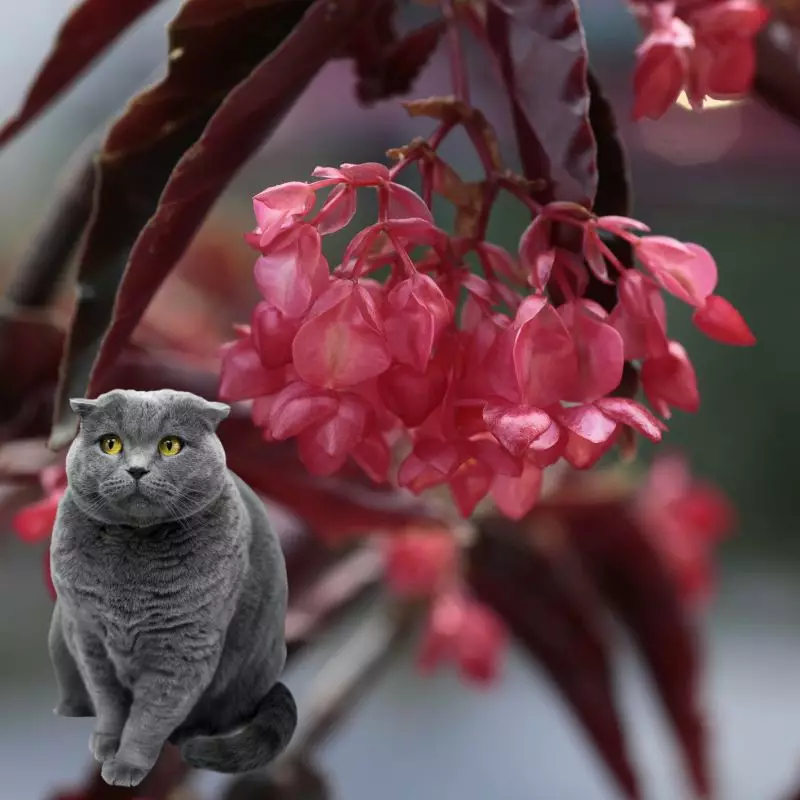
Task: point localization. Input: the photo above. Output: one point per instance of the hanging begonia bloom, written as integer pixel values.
(466, 632)
(339, 347)
(432, 359)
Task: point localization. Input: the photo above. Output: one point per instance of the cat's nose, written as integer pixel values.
(137, 472)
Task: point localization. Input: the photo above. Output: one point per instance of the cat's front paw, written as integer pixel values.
(73, 708)
(119, 773)
(104, 746)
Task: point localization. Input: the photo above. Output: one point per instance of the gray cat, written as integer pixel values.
(169, 623)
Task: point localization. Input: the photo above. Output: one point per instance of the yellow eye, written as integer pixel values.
(170, 446)
(111, 445)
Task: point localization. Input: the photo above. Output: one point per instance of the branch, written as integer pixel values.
(346, 679)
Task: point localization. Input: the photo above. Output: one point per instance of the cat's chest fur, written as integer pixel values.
(137, 589)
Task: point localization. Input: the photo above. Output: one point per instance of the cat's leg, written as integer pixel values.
(163, 697)
(73, 697)
(108, 696)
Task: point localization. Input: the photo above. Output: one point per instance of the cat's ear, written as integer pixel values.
(215, 412)
(82, 407)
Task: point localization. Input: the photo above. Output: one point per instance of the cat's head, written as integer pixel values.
(141, 458)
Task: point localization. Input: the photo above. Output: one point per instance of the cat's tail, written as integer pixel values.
(251, 747)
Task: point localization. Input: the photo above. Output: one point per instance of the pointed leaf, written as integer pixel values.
(531, 39)
(91, 28)
(642, 591)
(553, 613)
(144, 217)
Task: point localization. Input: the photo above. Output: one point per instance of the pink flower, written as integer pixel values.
(341, 346)
(685, 518)
(34, 522)
(418, 562)
(482, 400)
(466, 632)
(662, 67)
(719, 320)
(705, 48)
(277, 209)
(670, 380)
(686, 270)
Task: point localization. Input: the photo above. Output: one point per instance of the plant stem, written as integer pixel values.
(347, 677)
(455, 52)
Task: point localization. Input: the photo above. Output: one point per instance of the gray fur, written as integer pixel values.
(169, 623)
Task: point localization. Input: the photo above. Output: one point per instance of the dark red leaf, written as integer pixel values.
(641, 590)
(777, 78)
(541, 52)
(213, 47)
(90, 29)
(552, 611)
(30, 340)
(387, 66)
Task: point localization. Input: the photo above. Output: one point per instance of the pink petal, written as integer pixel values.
(35, 522)
(431, 463)
(599, 351)
(686, 270)
(410, 394)
(415, 231)
(658, 79)
(545, 360)
(293, 272)
(403, 203)
(480, 644)
(373, 455)
(273, 334)
(536, 252)
(337, 348)
(499, 261)
(732, 19)
(488, 451)
(415, 315)
(276, 206)
(515, 497)
(640, 317)
(516, 427)
(593, 254)
(242, 374)
(315, 459)
(588, 422)
(297, 407)
(338, 210)
(620, 225)
(670, 380)
(469, 485)
(720, 321)
(583, 454)
(732, 69)
(368, 174)
(418, 564)
(633, 414)
(341, 432)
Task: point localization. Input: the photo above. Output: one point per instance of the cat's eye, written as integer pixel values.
(111, 445)
(170, 446)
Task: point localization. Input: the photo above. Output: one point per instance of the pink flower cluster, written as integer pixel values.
(424, 564)
(704, 47)
(484, 387)
(686, 518)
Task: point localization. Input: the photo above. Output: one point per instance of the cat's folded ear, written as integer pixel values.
(215, 412)
(82, 407)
